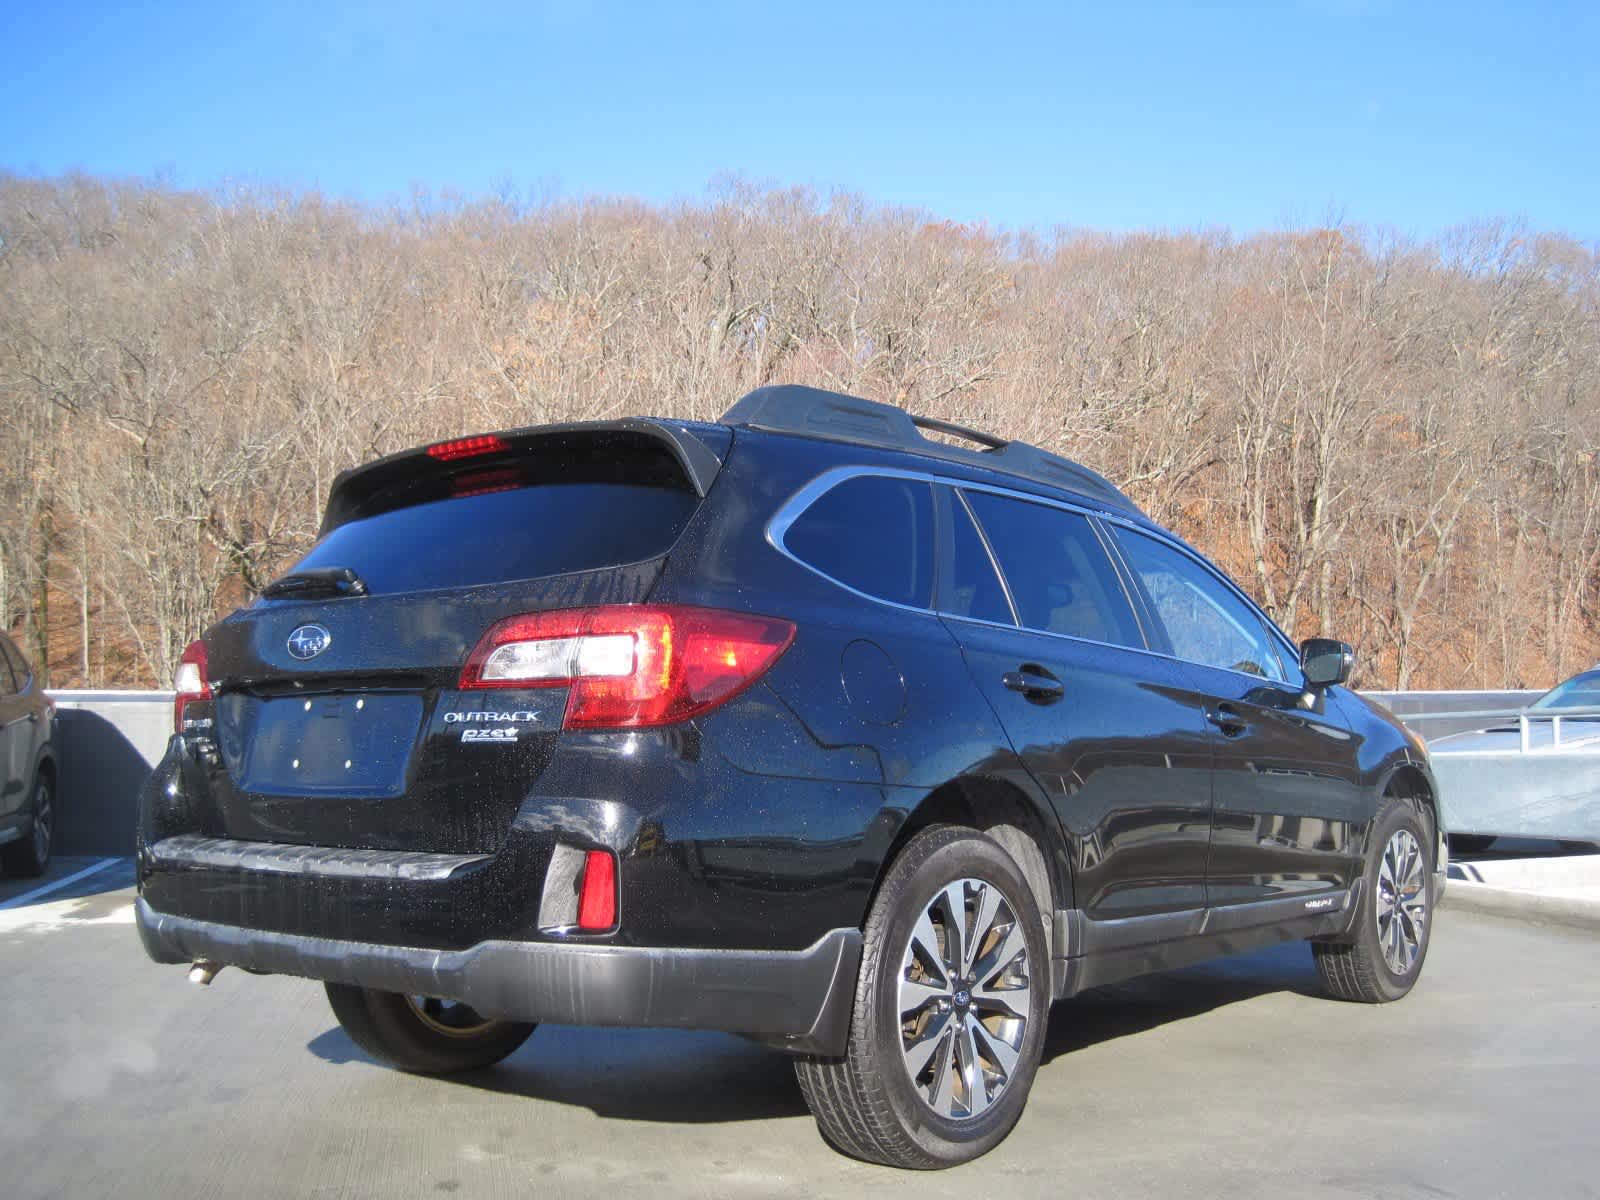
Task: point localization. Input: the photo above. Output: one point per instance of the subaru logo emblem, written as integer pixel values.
(308, 641)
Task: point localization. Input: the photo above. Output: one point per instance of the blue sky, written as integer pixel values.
(1116, 116)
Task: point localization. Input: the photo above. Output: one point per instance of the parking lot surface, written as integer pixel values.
(1233, 1079)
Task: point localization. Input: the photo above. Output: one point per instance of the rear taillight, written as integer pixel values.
(597, 895)
(630, 665)
(190, 682)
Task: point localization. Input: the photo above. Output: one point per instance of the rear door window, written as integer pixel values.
(872, 533)
(970, 587)
(506, 532)
(1060, 577)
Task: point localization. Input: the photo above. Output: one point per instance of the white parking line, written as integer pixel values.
(60, 883)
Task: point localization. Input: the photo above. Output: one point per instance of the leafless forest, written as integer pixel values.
(1387, 441)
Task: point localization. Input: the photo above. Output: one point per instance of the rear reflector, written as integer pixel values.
(630, 665)
(190, 683)
(597, 898)
(468, 447)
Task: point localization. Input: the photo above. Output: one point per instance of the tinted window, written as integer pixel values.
(7, 686)
(971, 588)
(1060, 576)
(499, 536)
(1205, 622)
(872, 533)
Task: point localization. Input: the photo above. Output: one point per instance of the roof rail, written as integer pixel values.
(790, 408)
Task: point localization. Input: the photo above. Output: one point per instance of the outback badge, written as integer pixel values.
(308, 641)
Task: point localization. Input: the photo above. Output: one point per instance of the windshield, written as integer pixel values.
(1581, 691)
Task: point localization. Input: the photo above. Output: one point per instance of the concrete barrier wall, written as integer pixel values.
(107, 742)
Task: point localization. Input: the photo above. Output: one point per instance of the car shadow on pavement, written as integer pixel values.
(70, 877)
(1140, 1005)
(666, 1075)
(684, 1077)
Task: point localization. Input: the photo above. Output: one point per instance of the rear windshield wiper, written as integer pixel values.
(324, 582)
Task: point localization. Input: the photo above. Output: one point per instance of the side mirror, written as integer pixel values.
(1326, 661)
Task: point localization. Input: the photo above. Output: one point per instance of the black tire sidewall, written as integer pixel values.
(386, 1026)
(1397, 815)
(962, 854)
(19, 857)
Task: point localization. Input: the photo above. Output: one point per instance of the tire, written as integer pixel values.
(425, 1036)
(1385, 955)
(29, 855)
(1470, 843)
(867, 1102)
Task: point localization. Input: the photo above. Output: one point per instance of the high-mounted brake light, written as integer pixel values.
(630, 665)
(468, 447)
(190, 683)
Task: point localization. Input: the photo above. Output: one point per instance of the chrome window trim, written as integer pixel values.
(807, 494)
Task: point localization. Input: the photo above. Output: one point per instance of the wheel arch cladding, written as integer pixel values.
(1004, 813)
(1406, 781)
(1409, 782)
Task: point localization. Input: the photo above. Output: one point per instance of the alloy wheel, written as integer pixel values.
(1402, 907)
(964, 999)
(43, 822)
(450, 1018)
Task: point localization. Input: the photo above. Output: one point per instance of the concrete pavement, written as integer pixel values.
(1233, 1079)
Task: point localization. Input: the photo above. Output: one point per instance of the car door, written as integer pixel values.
(1114, 735)
(1287, 779)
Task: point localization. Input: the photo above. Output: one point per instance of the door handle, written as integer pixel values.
(1034, 682)
(1228, 719)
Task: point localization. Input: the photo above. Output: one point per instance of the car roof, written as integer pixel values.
(838, 417)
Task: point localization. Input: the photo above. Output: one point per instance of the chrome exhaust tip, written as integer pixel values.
(204, 971)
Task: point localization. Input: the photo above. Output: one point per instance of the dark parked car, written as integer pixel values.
(800, 725)
(27, 766)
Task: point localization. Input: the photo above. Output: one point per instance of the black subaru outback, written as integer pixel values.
(802, 726)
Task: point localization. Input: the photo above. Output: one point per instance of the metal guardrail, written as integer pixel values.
(1526, 718)
(1555, 717)
(106, 743)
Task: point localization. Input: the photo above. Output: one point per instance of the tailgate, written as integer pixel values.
(338, 710)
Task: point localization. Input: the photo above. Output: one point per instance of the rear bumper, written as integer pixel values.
(796, 1000)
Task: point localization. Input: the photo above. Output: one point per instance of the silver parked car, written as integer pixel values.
(1511, 761)
(1568, 716)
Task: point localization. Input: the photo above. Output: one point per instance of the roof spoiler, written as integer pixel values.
(789, 408)
(697, 449)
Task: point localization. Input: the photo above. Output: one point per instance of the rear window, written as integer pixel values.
(503, 535)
